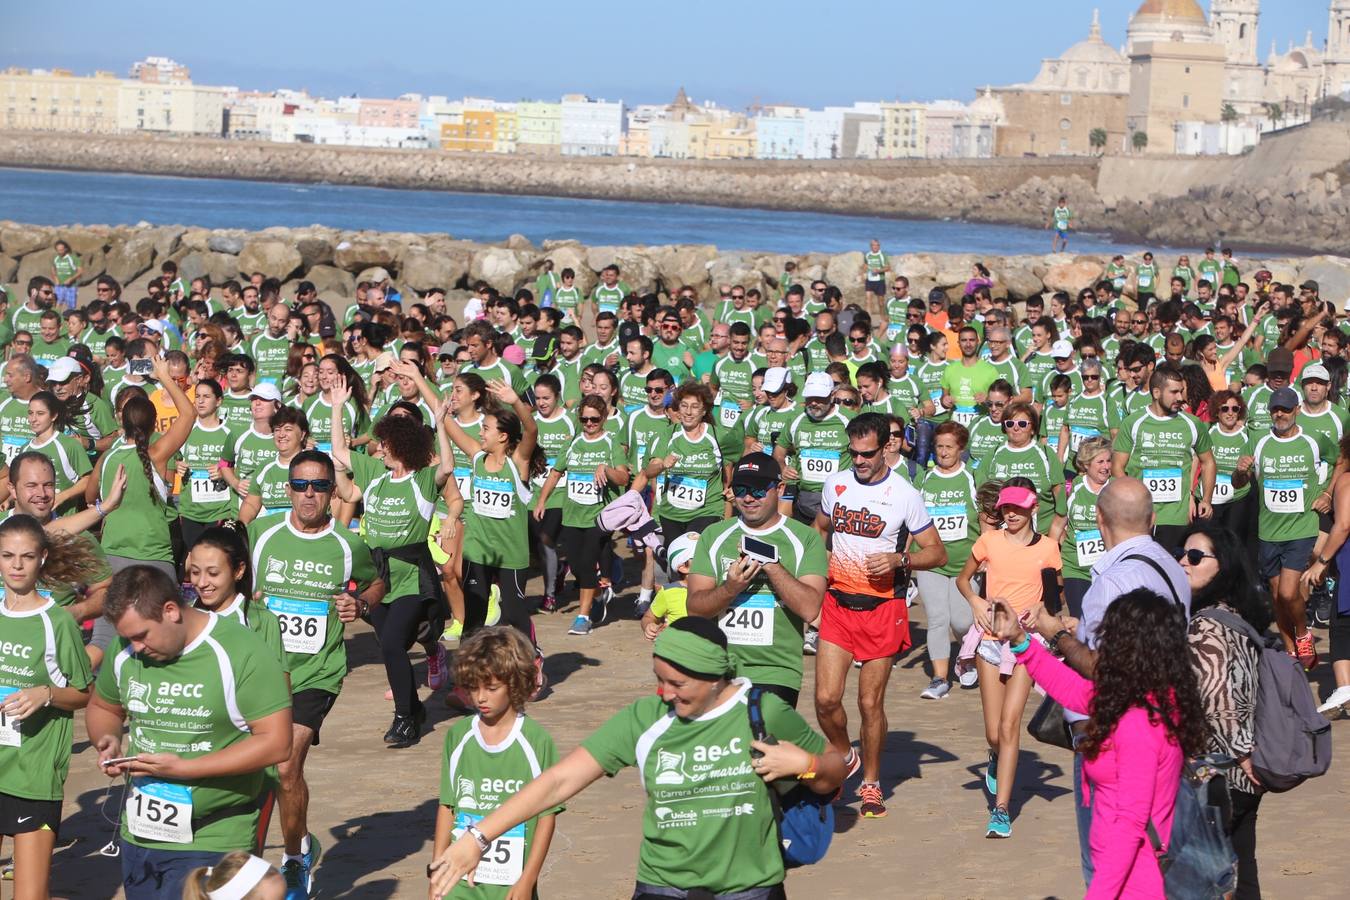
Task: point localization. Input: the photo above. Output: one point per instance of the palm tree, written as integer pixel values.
(1140, 140)
(1097, 139)
(1228, 114)
(1275, 112)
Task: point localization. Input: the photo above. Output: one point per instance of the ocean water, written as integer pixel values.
(48, 197)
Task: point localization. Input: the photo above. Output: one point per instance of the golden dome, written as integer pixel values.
(1172, 9)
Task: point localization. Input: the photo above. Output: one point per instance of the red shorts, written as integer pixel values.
(867, 634)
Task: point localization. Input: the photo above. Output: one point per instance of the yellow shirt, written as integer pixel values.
(670, 603)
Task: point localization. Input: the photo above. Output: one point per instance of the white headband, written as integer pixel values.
(243, 881)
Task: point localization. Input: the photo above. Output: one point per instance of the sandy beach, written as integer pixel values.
(373, 809)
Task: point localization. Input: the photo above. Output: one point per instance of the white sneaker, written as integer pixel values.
(1339, 697)
(809, 641)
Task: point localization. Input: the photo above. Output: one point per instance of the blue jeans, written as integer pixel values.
(1083, 815)
(922, 449)
(153, 874)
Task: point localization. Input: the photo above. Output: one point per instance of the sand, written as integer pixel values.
(373, 809)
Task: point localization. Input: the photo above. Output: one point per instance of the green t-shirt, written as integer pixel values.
(1037, 366)
(268, 484)
(252, 451)
(1052, 423)
(300, 575)
(671, 358)
(398, 513)
(40, 647)
(197, 703)
(583, 497)
(930, 375)
(554, 436)
(642, 433)
(1289, 473)
(566, 299)
(607, 299)
(237, 411)
(14, 431)
(821, 448)
(139, 528)
(48, 353)
(1163, 453)
(261, 621)
(763, 635)
(1228, 449)
(732, 378)
(950, 501)
(1089, 417)
(270, 356)
(693, 488)
(476, 778)
(1082, 544)
(65, 265)
(633, 389)
(204, 498)
(963, 382)
(95, 418)
(496, 508)
(1330, 424)
(708, 821)
(501, 371)
(906, 392)
(1013, 371)
(596, 354)
(319, 412)
(1041, 466)
(986, 436)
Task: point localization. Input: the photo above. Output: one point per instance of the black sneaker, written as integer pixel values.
(406, 730)
(1319, 607)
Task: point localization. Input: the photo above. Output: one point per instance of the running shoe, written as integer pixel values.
(580, 625)
(494, 610)
(1319, 606)
(991, 774)
(967, 675)
(872, 805)
(809, 641)
(299, 873)
(7, 873)
(456, 699)
(936, 690)
(1306, 651)
(406, 730)
(1339, 698)
(1000, 825)
(911, 594)
(453, 631)
(438, 668)
(549, 604)
(641, 606)
(852, 763)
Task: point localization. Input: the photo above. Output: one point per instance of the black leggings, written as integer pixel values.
(396, 625)
(1240, 518)
(1242, 832)
(478, 581)
(584, 549)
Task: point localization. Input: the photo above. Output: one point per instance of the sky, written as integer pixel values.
(735, 52)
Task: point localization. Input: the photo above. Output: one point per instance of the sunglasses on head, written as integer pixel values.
(1192, 556)
(740, 491)
(320, 485)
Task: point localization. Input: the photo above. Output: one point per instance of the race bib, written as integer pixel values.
(324, 446)
(463, 477)
(13, 445)
(817, 465)
(159, 811)
(504, 860)
(494, 498)
(686, 492)
(750, 622)
(304, 623)
(1145, 281)
(1080, 433)
(1223, 490)
(582, 489)
(607, 306)
(731, 413)
(952, 522)
(10, 733)
(894, 330)
(1091, 546)
(936, 396)
(1284, 495)
(963, 415)
(205, 489)
(1163, 484)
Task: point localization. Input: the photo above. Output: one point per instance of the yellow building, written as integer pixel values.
(170, 108)
(730, 139)
(903, 130)
(476, 132)
(58, 101)
(1172, 82)
(504, 132)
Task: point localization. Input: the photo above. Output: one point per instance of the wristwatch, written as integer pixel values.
(1054, 641)
(1323, 560)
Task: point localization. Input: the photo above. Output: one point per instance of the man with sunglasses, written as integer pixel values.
(764, 423)
(826, 325)
(737, 310)
(669, 350)
(302, 563)
(762, 601)
(1090, 412)
(998, 338)
(869, 515)
(1162, 445)
(1134, 366)
(41, 296)
(1061, 352)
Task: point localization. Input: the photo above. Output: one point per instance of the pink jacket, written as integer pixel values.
(1133, 780)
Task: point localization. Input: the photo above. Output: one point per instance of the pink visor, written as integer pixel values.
(1023, 498)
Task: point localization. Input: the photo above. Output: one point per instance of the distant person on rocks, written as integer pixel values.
(1061, 220)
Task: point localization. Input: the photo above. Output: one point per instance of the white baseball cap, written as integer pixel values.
(63, 369)
(154, 325)
(818, 384)
(681, 550)
(1061, 350)
(775, 379)
(1315, 371)
(265, 391)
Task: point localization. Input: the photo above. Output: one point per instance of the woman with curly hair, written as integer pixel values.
(1144, 718)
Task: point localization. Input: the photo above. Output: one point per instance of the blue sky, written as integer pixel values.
(732, 51)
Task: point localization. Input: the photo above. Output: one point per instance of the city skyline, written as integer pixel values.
(723, 53)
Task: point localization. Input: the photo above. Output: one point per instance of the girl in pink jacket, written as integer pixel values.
(1145, 719)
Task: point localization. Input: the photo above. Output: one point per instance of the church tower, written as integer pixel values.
(1234, 23)
(1337, 59)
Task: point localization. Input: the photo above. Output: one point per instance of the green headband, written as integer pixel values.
(692, 653)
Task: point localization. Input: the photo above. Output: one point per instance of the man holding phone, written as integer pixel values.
(762, 575)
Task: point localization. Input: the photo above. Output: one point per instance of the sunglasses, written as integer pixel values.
(858, 340)
(591, 420)
(1233, 408)
(1017, 423)
(320, 485)
(1281, 410)
(740, 491)
(844, 401)
(1141, 321)
(652, 390)
(1134, 370)
(897, 435)
(864, 454)
(1092, 378)
(1192, 556)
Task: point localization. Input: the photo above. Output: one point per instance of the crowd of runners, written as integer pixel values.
(205, 485)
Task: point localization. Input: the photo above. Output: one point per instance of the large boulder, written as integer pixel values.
(915, 267)
(315, 250)
(636, 269)
(9, 267)
(955, 270)
(275, 259)
(735, 268)
(1332, 274)
(683, 265)
(503, 269)
(331, 283)
(355, 255)
(219, 267)
(424, 269)
(1019, 281)
(20, 240)
(91, 266)
(130, 258)
(86, 243)
(231, 243)
(1073, 276)
(845, 271)
(166, 240)
(39, 262)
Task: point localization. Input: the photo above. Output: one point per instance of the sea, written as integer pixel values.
(47, 197)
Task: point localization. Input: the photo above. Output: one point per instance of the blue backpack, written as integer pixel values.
(805, 819)
(1199, 862)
